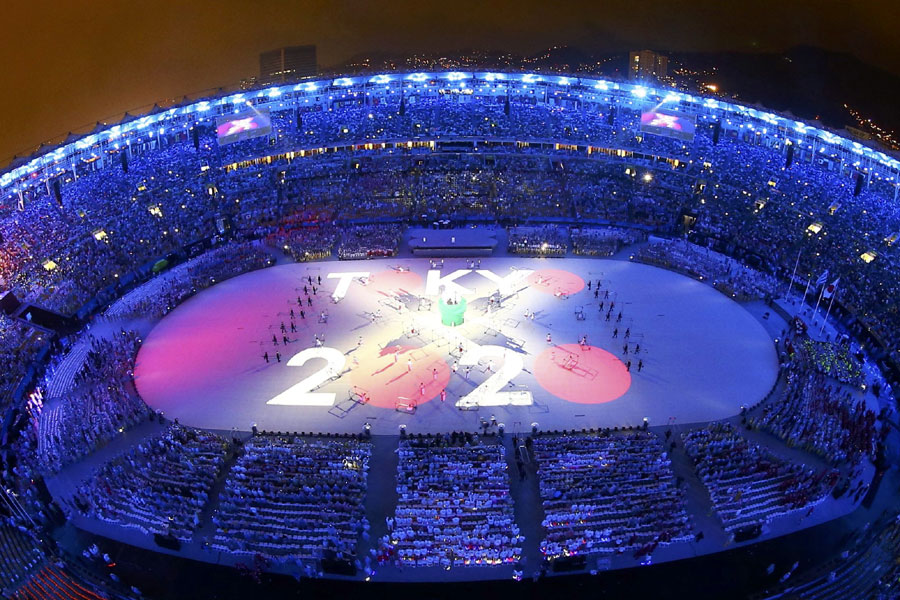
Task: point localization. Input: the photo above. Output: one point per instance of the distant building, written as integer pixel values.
(248, 83)
(647, 65)
(286, 64)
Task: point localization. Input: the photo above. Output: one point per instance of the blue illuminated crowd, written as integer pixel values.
(739, 192)
(734, 201)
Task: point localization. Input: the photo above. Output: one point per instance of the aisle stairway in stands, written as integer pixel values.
(381, 496)
(856, 577)
(852, 580)
(207, 529)
(63, 376)
(53, 583)
(697, 499)
(526, 496)
(19, 555)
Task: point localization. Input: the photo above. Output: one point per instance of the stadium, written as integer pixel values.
(389, 330)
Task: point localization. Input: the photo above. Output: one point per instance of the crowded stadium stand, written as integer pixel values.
(750, 486)
(292, 499)
(454, 508)
(104, 236)
(608, 493)
(159, 487)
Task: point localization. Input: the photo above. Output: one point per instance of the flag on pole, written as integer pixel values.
(832, 292)
(820, 282)
(829, 290)
(21, 204)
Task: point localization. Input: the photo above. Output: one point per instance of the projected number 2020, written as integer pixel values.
(301, 393)
(489, 393)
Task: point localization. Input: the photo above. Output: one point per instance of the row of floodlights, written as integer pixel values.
(638, 91)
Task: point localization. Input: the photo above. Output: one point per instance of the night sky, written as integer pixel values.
(68, 64)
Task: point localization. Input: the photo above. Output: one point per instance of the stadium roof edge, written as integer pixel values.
(22, 167)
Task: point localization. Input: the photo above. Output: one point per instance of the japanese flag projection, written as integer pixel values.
(243, 126)
(668, 123)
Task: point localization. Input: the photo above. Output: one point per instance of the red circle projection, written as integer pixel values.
(588, 375)
(397, 373)
(556, 282)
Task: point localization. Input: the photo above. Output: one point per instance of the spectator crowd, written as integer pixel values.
(741, 216)
(608, 493)
(159, 486)
(291, 499)
(724, 273)
(821, 417)
(101, 404)
(454, 507)
(749, 485)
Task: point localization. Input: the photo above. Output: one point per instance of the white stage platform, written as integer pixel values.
(704, 356)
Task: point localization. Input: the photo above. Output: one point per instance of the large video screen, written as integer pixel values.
(243, 126)
(668, 123)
